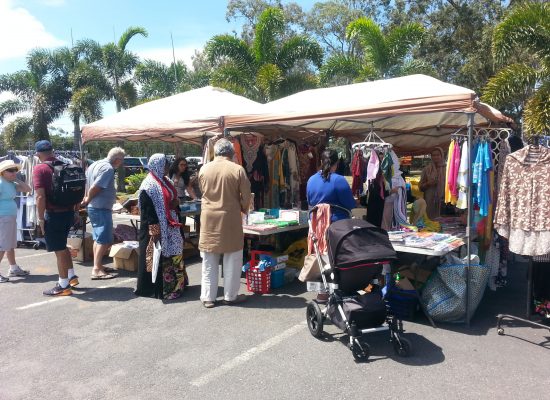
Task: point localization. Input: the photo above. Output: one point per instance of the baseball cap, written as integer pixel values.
(42, 145)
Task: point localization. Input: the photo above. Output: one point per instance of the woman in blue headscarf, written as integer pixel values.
(159, 206)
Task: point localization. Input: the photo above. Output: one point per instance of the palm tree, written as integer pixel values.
(119, 65)
(158, 80)
(269, 67)
(40, 89)
(524, 85)
(81, 64)
(386, 55)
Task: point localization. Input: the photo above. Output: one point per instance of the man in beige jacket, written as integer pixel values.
(225, 194)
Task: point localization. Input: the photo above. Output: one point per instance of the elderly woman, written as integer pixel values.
(9, 185)
(158, 203)
(432, 183)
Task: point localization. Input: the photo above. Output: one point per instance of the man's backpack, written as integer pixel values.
(68, 184)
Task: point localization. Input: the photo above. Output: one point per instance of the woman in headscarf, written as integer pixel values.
(432, 183)
(159, 205)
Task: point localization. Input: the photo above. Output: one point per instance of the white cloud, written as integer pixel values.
(164, 54)
(21, 31)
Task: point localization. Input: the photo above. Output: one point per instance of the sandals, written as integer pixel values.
(103, 277)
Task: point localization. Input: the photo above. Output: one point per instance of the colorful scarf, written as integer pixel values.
(161, 191)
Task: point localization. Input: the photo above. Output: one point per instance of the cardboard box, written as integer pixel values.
(81, 251)
(417, 275)
(125, 257)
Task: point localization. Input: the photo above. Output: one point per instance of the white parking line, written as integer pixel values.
(41, 303)
(41, 254)
(247, 355)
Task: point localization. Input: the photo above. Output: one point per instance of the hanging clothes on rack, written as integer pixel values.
(462, 178)
(358, 165)
(255, 164)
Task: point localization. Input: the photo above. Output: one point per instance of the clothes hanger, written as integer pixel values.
(372, 142)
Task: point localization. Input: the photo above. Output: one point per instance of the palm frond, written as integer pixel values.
(299, 48)
(411, 67)
(127, 94)
(340, 69)
(536, 115)
(86, 102)
(401, 39)
(236, 80)
(39, 62)
(129, 34)
(88, 49)
(371, 38)
(268, 80)
(528, 27)
(222, 48)
(11, 107)
(510, 83)
(295, 83)
(19, 83)
(270, 25)
(16, 132)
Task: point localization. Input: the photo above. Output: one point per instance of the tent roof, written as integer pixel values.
(184, 116)
(414, 113)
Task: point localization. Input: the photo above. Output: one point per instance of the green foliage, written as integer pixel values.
(524, 85)
(17, 133)
(272, 66)
(40, 89)
(133, 182)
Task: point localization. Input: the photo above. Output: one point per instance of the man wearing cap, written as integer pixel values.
(55, 221)
(100, 197)
(9, 185)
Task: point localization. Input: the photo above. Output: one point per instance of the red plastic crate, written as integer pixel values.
(258, 281)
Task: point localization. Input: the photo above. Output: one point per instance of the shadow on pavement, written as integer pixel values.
(34, 279)
(424, 351)
(104, 294)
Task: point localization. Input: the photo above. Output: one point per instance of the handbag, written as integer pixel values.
(157, 251)
(310, 271)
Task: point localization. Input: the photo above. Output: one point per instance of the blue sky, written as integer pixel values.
(25, 24)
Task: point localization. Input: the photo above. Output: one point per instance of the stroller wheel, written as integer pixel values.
(402, 347)
(360, 350)
(314, 319)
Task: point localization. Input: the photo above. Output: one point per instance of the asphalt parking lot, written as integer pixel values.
(105, 343)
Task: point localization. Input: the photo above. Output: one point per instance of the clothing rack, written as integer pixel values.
(535, 141)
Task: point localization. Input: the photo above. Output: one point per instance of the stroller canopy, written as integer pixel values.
(353, 241)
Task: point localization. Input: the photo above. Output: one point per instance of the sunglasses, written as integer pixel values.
(11, 170)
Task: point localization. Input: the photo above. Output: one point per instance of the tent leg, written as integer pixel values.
(470, 116)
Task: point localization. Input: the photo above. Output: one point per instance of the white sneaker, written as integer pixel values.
(17, 272)
(4, 279)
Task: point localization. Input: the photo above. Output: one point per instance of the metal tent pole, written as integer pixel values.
(470, 116)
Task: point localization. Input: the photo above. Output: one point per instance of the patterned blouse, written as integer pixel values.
(523, 208)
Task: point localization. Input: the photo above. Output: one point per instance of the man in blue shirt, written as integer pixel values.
(100, 197)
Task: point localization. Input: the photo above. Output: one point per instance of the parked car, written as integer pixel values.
(134, 165)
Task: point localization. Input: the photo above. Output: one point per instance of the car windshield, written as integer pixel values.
(132, 162)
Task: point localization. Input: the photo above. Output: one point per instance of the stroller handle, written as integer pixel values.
(348, 212)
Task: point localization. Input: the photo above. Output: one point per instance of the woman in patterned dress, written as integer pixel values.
(159, 206)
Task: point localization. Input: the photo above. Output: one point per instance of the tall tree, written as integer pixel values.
(385, 54)
(88, 86)
(268, 68)
(525, 85)
(158, 80)
(40, 89)
(119, 65)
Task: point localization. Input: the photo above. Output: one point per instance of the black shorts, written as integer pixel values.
(56, 227)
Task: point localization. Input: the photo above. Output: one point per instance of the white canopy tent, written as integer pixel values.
(181, 117)
(415, 113)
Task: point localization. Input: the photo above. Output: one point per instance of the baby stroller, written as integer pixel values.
(358, 254)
